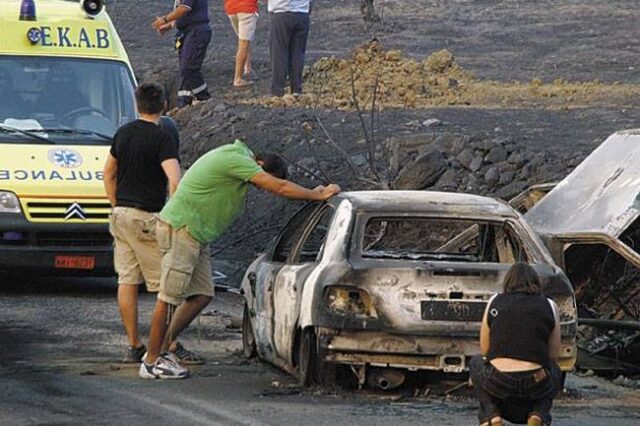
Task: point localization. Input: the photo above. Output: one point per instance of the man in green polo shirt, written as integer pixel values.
(211, 194)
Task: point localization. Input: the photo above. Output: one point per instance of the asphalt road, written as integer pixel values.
(61, 341)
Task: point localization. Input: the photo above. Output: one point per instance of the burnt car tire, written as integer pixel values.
(248, 337)
(307, 358)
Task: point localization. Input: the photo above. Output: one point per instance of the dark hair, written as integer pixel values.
(150, 98)
(522, 278)
(273, 164)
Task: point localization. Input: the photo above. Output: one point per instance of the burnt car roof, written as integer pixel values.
(462, 205)
(601, 195)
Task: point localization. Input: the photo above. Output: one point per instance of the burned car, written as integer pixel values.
(590, 222)
(388, 281)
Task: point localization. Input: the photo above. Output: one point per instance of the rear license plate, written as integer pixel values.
(75, 262)
(448, 310)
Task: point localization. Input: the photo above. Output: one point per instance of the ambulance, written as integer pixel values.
(66, 85)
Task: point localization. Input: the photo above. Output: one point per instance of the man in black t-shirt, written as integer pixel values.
(142, 164)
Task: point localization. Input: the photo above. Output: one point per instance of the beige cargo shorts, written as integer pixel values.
(186, 265)
(136, 255)
(244, 25)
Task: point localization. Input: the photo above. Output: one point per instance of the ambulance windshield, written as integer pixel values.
(66, 93)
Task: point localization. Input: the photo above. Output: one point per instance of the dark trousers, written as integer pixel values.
(289, 31)
(191, 53)
(514, 396)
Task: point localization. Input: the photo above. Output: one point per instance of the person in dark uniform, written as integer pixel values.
(517, 376)
(191, 19)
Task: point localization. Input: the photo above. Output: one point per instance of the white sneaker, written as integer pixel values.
(163, 368)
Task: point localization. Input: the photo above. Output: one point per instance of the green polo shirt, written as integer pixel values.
(212, 192)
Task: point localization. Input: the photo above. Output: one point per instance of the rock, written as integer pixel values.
(498, 130)
(525, 172)
(538, 160)
(506, 177)
(618, 380)
(466, 157)
(431, 122)
(423, 172)
(447, 181)
(451, 142)
(517, 157)
(511, 190)
(220, 108)
(497, 154)
(476, 163)
(492, 175)
(359, 159)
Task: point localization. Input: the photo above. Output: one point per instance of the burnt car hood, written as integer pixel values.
(601, 196)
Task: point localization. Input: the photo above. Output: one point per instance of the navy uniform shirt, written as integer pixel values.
(198, 13)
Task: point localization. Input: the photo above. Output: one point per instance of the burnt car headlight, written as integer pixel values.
(9, 202)
(351, 301)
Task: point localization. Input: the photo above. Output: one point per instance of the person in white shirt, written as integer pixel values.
(289, 32)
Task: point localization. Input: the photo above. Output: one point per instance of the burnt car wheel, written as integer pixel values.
(307, 357)
(248, 338)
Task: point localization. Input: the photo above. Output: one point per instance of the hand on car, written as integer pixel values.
(328, 191)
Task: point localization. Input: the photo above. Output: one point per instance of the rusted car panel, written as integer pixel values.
(394, 279)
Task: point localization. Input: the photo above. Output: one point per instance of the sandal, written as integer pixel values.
(187, 357)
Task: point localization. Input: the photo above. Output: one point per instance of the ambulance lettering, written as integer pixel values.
(65, 37)
(54, 175)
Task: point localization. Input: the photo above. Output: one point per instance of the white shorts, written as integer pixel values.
(244, 24)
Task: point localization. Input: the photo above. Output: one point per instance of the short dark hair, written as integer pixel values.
(522, 278)
(150, 98)
(273, 164)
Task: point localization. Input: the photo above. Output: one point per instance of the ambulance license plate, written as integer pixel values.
(75, 262)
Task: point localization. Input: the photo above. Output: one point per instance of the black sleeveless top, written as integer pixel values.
(520, 325)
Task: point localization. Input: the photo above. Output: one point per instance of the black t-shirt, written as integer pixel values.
(520, 325)
(140, 148)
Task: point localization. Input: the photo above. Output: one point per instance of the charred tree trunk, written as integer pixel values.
(369, 11)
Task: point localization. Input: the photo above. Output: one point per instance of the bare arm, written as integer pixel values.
(176, 14)
(485, 332)
(109, 174)
(288, 189)
(171, 168)
(554, 337)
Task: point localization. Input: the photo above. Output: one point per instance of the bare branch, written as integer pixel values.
(369, 141)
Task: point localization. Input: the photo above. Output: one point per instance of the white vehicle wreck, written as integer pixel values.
(386, 282)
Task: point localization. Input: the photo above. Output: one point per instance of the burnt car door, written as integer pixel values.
(290, 280)
(263, 279)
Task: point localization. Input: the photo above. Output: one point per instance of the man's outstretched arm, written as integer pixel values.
(288, 189)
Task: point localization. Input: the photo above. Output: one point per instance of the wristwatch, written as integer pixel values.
(165, 20)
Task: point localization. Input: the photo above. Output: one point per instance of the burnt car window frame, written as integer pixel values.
(294, 255)
(357, 237)
(304, 214)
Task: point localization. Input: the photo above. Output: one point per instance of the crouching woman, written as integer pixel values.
(517, 377)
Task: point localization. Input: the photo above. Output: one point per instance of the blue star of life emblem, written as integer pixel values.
(66, 158)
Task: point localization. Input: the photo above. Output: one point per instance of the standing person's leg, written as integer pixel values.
(198, 295)
(244, 27)
(129, 279)
(298, 50)
(179, 262)
(488, 412)
(184, 89)
(280, 42)
(192, 54)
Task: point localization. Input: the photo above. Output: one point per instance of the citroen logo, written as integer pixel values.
(75, 211)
